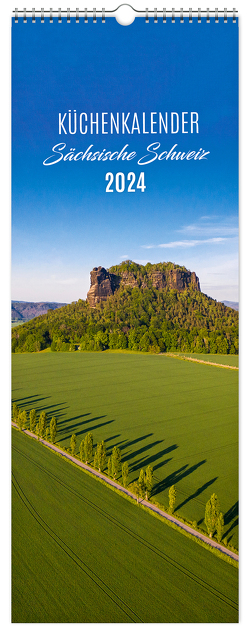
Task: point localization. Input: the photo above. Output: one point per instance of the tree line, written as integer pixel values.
(36, 425)
(112, 463)
(141, 488)
(214, 519)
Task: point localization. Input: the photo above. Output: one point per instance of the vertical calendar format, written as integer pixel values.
(125, 318)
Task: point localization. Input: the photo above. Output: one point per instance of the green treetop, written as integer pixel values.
(42, 423)
(116, 461)
(141, 483)
(212, 512)
(73, 444)
(172, 498)
(125, 471)
(53, 429)
(149, 481)
(88, 447)
(32, 420)
(15, 412)
(101, 455)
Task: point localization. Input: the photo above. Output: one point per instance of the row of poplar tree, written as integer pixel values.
(142, 487)
(214, 519)
(39, 426)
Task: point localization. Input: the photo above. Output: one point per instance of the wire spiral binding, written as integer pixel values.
(155, 14)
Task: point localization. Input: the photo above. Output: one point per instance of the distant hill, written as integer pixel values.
(230, 303)
(23, 311)
(154, 308)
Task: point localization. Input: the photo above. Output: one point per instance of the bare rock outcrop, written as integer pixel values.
(174, 279)
(104, 283)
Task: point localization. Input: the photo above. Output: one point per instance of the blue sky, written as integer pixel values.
(64, 222)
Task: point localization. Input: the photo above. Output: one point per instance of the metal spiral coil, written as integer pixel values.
(149, 15)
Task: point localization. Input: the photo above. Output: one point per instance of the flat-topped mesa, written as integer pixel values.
(103, 283)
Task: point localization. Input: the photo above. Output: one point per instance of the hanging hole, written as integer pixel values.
(125, 15)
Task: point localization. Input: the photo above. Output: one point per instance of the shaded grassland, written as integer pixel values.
(81, 553)
(179, 416)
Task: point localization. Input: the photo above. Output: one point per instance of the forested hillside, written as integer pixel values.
(139, 319)
(24, 311)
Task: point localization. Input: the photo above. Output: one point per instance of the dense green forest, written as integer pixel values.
(142, 271)
(147, 320)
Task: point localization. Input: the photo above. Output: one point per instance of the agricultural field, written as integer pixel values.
(178, 416)
(216, 358)
(82, 553)
(17, 323)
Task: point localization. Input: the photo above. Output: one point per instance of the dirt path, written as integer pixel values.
(142, 502)
(212, 364)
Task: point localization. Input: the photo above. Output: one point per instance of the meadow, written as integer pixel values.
(81, 553)
(178, 416)
(216, 358)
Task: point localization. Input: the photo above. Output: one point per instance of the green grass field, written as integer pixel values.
(179, 416)
(217, 358)
(82, 553)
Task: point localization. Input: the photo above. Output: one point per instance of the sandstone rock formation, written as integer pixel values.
(104, 283)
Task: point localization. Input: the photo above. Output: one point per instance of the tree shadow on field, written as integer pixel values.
(108, 439)
(38, 405)
(52, 410)
(134, 441)
(28, 397)
(231, 516)
(167, 450)
(196, 493)
(67, 431)
(141, 450)
(161, 464)
(27, 402)
(231, 513)
(178, 475)
(71, 419)
(150, 459)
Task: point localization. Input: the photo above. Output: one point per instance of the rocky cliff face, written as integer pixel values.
(103, 283)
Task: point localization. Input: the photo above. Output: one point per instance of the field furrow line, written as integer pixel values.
(172, 562)
(122, 605)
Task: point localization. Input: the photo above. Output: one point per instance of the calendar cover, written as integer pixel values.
(124, 319)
